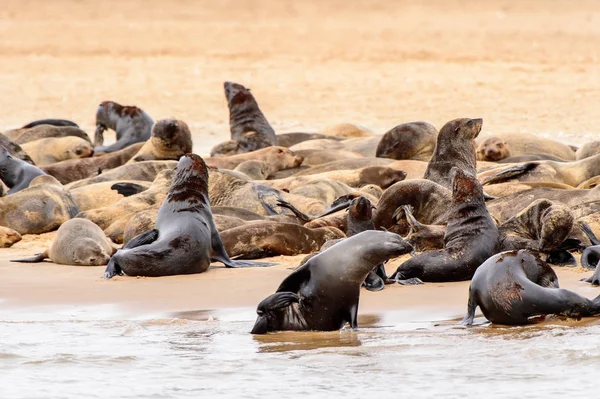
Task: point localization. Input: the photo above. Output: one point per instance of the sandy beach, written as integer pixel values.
(523, 67)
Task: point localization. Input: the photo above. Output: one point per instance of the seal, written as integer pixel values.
(100, 195)
(347, 130)
(523, 144)
(57, 149)
(455, 147)
(14, 149)
(185, 238)
(279, 158)
(53, 122)
(471, 237)
(319, 157)
(26, 135)
(254, 170)
(587, 150)
(41, 208)
(171, 139)
(413, 140)
(493, 149)
(245, 116)
(423, 237)
(8, 237)
(289, 139)
(130, 123)
(78, 242)
(246, 141)
(531, 157)
(345, 164)
(515, 287)
(365, 146)
(323, 294)
(78, 169)
(16, 173)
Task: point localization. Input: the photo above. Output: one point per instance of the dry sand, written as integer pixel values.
(522, 66)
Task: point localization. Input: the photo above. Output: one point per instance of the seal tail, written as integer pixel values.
(34, 259)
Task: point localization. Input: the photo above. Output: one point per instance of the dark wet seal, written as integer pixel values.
(16, 173)
(185, 239)
(131, 124)
(516, 288)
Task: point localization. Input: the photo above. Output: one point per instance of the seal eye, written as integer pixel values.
(260, 312)
(470, 122)
(280, 151)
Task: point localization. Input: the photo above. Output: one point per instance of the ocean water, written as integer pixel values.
(98, 352)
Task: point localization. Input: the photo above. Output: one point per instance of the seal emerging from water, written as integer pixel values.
(323, 293)
(131, 124)
(515, 287)
(185, 238)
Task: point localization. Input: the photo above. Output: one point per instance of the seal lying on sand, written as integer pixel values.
(471, 237)
(515, 287)
(8, 237)
(185, 239)
(56, 149)
(16, 173)
(131, 124)
(77, 242)
(171, 139)
(323, 294)
(414, 140)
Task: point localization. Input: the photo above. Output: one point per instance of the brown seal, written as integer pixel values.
(345, 164)
(471, 237)
(365, 146)
(254, 170)
(25, 135)
(289, 139)
(319, 157)
(8, 237)
(423, 237)
(413, 140)
(57, 149)
(587, 150)
(524, 144)
(78, 242)
(185, 239)
(16, 173)
(41, 208)
(347, 130)
(455, 147)
(131, 125)
(279, 158)
(493, 149)
(171, 139)
(79, 169)
(100, 195)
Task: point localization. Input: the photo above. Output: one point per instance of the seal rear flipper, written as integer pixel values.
(471, 307)
(33, 259)
(112, 269)
(354, 315)
(128, 189)
(299, 214)
(147, 237)
(488, 197)
(510, 173)
(241, 263)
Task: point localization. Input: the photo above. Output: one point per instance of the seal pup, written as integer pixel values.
(56, 149)
(515, 287)
(413, 140)
(130, 123)
(245, 116)
(16, 173)
(455, 147)
(471, 237)
(78, 242)
(53, 122)
(171, 139)
(185, 239)
(323, 293)
(8, 237)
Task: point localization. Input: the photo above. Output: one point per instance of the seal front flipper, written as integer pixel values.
(144, 238)
(373, 282)
(128, 189)
(470, 316)
(510, 173)
(298, 213)
(33, 259)
(354, 316)
(296, 279)
(112, 269)
(595, 278)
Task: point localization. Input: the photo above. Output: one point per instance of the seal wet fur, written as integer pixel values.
(185, 239)
(131, 124)
(514, 287)
(323, 294)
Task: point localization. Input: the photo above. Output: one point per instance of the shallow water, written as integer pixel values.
(100, 353)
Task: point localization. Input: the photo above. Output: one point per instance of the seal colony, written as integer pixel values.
(349, 198)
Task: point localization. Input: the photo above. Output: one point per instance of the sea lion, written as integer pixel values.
(587, 150)
(278, 158)
(171, 139)
(524, 143)
(413, 140)
(430, 203)
(145, 170)
(40, 208)
(515, 287)
(16, 173)
(493, 149)
(53, 122)
(78, 169)
(245, 116)
(14, 149)
(323, 294)
(570, 173)
(56, 149)
(455, 147)
(289, 139)
(8, 237)
(25, 135)
(319, 157)
(262, 239)
(185, 239)
(347, 130)
(100, 195)
(78, 242)
(471, 237)
(130, 123)
(155, 194)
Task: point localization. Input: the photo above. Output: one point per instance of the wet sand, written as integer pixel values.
(523, 67)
